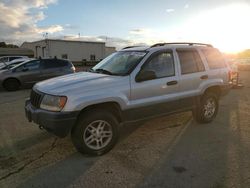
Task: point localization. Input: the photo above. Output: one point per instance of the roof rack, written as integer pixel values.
(130, 47)
(181, 43)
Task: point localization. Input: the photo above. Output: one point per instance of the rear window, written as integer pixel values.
(54, 63)
(214, 58)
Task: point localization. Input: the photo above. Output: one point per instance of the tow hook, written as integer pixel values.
(41, 127)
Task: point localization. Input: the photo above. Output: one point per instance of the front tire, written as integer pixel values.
(95, 133)
(11, 84)
(207, 110)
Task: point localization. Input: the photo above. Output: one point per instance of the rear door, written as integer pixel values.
(192, 75)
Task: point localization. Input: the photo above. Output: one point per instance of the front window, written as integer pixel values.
(119, 63)
(30, 66)
(162, 64)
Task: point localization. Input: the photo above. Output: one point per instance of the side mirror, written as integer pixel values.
(145, 75)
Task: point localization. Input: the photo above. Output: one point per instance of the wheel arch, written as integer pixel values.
(214, 89)
(112, 107)
(11, 78)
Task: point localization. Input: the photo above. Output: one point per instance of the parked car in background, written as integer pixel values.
(4, 59)
(133, 84)
(32, 71)
(9, 64)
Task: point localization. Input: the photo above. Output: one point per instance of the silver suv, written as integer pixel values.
(133, 84)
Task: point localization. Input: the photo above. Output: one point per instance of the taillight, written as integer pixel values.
(230, 76)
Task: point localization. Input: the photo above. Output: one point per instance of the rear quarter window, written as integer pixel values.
(214, 59)
(54, 63)
(63, 62)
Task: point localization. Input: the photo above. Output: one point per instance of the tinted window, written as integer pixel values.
(32, 65)
(65, 56)
(214, 59)
(62, 62)
(54, 63)
(190, 61)
(92, 57)
(162, 64)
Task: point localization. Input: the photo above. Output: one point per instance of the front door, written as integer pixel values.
(155, 96)
(29, 73)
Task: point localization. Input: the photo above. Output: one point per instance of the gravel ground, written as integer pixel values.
(171, 151)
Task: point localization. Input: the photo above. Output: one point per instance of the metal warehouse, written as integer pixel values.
(76, 51)
(16, 51)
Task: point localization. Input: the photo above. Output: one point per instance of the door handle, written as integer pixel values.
(172, 83)
(204, 77)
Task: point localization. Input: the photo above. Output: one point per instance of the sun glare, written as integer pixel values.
(227, 27)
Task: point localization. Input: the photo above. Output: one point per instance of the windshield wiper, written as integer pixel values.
(104, 71)
(91, 70)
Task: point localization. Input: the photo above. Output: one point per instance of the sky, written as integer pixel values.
(119, 23)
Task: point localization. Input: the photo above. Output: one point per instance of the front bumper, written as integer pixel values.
(59, 123)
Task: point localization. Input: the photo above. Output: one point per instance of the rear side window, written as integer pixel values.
(162, 64)
(190, 61)
(54, 63)
(214, 58)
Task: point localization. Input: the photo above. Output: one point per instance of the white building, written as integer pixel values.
(76, 51)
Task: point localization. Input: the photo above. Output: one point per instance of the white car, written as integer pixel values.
(10, 58)
(15, 61)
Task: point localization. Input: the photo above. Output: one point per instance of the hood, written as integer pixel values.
(84, 81)
(4, 71)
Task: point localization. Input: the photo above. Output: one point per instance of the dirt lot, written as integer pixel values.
(172, 151)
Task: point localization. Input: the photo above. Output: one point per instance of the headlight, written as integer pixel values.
(53, 103)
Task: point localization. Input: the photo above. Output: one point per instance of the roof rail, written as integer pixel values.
(181, 43)
(129, 47)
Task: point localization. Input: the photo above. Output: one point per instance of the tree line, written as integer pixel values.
(4, 45)
(244, 54)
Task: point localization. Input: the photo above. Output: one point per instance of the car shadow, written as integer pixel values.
(62, 174)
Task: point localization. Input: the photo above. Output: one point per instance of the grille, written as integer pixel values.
(35, 98)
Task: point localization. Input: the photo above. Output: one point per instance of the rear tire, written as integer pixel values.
(95, 133)
(11, 84)
(207, 110)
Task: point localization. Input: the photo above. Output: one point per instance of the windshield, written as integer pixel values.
(119, 63)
